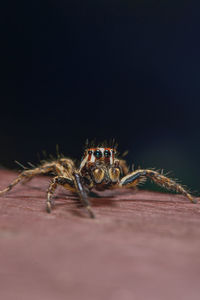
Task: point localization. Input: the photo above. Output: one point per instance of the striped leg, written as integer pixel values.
(65, 182)
(57, 167)
(29, 174)
(83, 195)
(137, 176)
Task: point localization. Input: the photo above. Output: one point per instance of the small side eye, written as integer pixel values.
(89, 152)
(114, 151)
(107, 153)
(98, 154)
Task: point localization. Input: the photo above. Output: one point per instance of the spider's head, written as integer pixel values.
(99, 156)
(100, 164)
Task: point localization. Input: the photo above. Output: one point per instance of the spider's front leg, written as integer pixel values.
(74, 185)
(65, 182)
(138, 176)
(83, 194)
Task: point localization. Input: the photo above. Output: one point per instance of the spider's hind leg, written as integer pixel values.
(27, 175)
(24, 176)
(137, 176)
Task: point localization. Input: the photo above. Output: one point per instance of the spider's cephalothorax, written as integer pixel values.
(100, 169)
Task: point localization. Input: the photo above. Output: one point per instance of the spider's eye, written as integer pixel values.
(89, 152)
(114, 151)
(98, 154)
(107, 153)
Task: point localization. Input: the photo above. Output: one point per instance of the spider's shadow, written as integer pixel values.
(60, 193)
(96, 201)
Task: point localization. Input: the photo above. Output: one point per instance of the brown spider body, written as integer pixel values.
(99, 169)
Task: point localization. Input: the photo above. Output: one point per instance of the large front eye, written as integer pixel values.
(107, 153)
(98, 154)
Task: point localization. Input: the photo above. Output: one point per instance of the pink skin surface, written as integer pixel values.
(142, 245)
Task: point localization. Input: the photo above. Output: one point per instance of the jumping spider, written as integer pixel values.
(99, 169)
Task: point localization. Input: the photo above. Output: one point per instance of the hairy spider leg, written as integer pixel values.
(67, 183)
(74, 185)
(135, 177)
(57, 167)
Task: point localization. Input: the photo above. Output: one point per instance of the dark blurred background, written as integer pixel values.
(73, 70)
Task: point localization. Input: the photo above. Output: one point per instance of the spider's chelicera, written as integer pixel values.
(100, 169)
